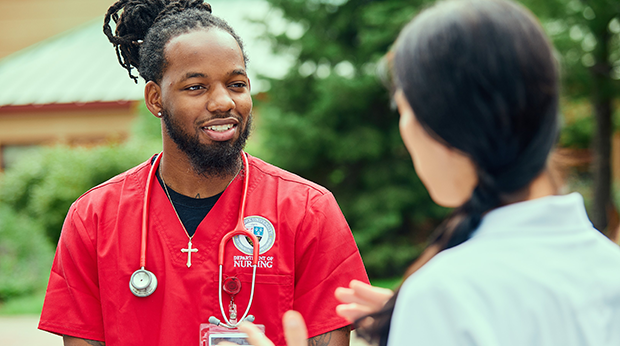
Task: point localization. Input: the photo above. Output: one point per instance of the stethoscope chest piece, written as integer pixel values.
(142, 283)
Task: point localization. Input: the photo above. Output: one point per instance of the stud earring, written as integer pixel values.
(159, 114)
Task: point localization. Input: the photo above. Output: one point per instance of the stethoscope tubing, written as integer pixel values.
(145, 209)
(238, 230)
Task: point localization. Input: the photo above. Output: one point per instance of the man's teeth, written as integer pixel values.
(220, 128)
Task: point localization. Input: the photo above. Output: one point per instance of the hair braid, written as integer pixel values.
(465, 219)
(144, 27)
(132, 26)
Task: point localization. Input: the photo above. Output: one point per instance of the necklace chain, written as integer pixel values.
(173, 207)
(161, 175)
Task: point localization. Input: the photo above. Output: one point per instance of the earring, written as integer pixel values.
(159, 114)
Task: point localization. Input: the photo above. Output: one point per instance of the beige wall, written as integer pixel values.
(26, 22)
(72, 125)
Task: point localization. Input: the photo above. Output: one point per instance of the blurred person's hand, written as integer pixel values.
(295, 331)
(360, 299)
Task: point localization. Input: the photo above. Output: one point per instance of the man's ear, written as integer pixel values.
(152, 98)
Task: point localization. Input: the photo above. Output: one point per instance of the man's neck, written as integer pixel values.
(178, 173)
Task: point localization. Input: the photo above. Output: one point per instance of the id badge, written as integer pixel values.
(211, 335)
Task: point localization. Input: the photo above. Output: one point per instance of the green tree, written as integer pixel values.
(330, 121)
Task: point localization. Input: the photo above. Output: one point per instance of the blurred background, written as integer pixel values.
(70, 118)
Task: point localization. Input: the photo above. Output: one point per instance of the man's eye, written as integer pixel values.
(194, 87)
(238, 85)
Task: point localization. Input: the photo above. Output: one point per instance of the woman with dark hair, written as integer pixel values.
(476, 86)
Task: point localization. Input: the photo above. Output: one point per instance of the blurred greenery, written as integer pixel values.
(35, 195)
(43, 186)
(25, 254)
(329, 120)
(391, 283)
(578, 133)
(27, 304)
(578, 123)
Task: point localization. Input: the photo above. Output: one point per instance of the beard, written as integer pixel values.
(219, 159)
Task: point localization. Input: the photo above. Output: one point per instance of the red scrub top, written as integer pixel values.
(307, 250)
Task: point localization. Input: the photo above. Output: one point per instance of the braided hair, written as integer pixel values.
(481, 78)
(144, 27)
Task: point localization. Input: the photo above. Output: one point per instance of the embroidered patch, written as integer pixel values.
(262, 229)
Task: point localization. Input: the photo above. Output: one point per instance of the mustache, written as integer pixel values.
(221, 115)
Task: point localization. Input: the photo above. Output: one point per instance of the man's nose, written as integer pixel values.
(220, 100)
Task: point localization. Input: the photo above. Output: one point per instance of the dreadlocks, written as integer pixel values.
(144, 27)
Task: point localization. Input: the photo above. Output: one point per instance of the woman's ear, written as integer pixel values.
(448, 174)
(406, 121)
(152, 98)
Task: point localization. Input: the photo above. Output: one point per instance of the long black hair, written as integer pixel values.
(144, 27)
(481, 78)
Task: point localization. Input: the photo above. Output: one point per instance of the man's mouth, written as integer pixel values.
(220, 128)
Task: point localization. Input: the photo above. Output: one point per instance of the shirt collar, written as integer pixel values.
(550, 213)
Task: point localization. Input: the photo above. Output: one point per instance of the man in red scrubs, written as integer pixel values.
(195, 70)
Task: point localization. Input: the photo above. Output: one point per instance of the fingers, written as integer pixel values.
(255, 336)
(295, 331)
(360, 299)
(352, 312)
(371, 293)
(364, 294)
(345, 295)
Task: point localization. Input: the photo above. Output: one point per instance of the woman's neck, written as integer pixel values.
(543, 185)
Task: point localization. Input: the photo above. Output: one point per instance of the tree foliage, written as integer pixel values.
(330, 121)
(37, 192)
(42, 186)
(329, 118)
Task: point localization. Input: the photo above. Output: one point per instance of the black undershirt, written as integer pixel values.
(191, 211)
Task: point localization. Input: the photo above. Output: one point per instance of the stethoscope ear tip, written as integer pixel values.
(214, 320)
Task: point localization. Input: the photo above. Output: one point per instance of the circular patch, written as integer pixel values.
(262, 229)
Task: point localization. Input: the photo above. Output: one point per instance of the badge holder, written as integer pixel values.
(212, 334)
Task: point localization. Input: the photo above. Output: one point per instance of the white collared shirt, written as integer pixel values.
(534, 273)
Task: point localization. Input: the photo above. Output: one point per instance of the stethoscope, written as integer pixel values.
(143, 282)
